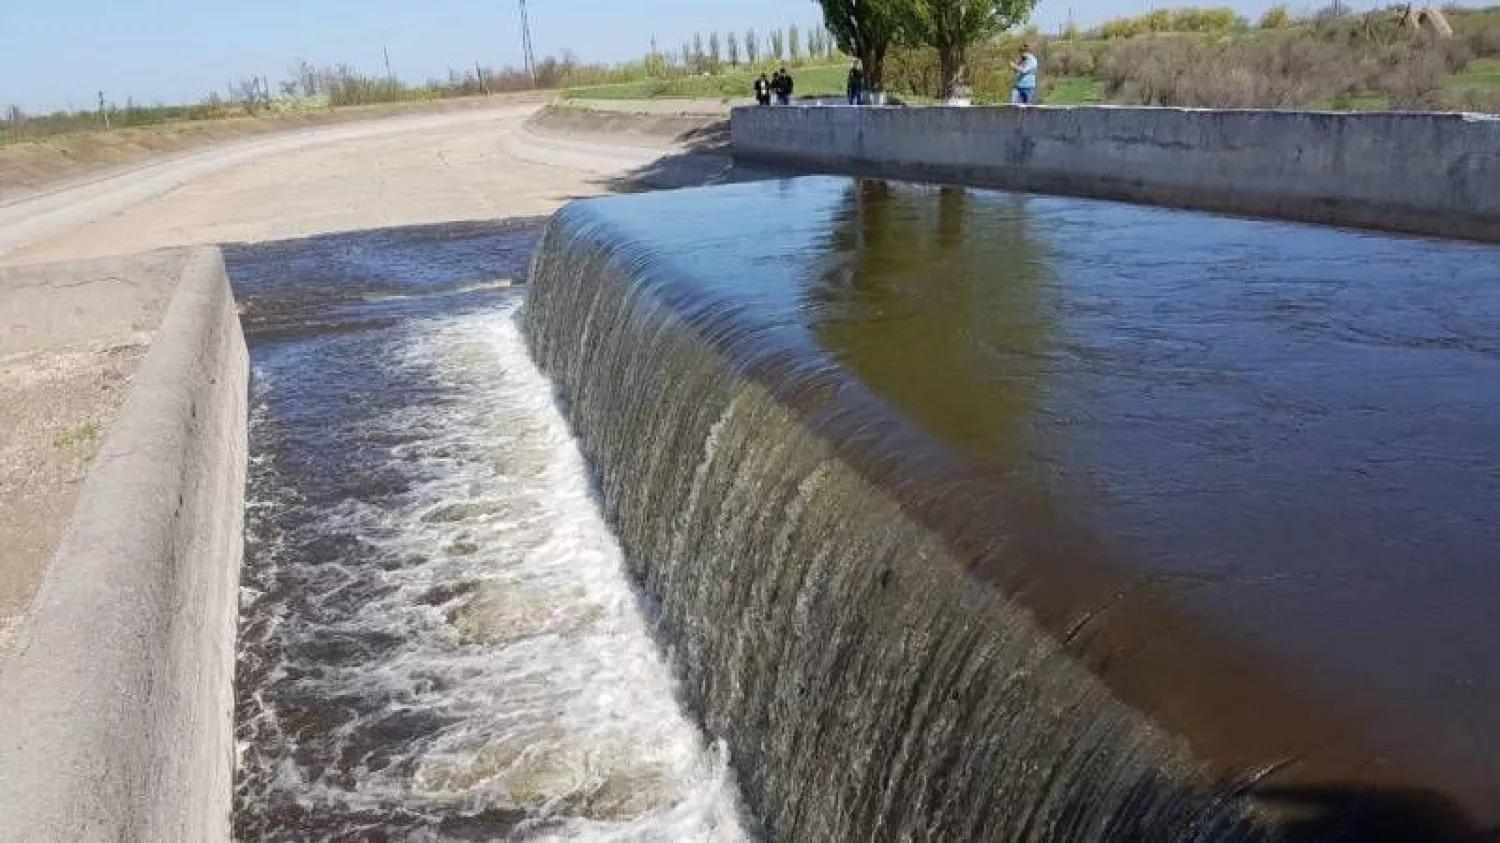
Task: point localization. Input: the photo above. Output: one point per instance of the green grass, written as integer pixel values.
(1482, 73)
(1071, 90)
(826, 80)
(80, 435)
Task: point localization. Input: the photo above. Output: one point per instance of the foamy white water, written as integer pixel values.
(516, 677)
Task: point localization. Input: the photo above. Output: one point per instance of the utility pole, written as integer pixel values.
(387, 51)
(528, 56)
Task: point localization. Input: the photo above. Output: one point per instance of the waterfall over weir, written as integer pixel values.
(837, 427)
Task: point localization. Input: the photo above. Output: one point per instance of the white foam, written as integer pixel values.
(539, 653)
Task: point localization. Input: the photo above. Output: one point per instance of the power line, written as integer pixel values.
(528, 56)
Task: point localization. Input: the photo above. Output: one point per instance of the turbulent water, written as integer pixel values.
(827, 509)
(439, 640)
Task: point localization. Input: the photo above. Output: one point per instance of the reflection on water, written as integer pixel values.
(935, 302)
(1284, 438)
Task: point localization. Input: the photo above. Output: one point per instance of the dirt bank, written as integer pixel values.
(32, 166)
(629, 122)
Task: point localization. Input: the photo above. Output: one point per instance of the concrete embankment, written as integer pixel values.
(116, 696)
(1433, 174)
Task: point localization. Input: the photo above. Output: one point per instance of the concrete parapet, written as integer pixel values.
(116, 702)
(1414, 172)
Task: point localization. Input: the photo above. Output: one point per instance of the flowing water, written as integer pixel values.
(975, 515)
(849, 510)
(439, 640)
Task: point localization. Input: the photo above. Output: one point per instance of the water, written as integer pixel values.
(438, 638)
(974, 515)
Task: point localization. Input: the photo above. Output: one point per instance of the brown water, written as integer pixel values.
(1246, 473)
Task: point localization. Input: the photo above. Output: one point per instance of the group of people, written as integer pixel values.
(1023, 91)
(780, 85)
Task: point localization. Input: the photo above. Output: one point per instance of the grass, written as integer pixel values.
(1071, 90)
(80, 435)
(821, 81)
(1481, 73)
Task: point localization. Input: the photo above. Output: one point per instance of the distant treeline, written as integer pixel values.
(309, 86)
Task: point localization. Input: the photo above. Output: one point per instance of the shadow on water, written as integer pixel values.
(1370, 815)
(353, 280)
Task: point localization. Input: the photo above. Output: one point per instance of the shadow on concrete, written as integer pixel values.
(706, 159)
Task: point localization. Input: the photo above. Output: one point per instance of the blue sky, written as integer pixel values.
(59, 53)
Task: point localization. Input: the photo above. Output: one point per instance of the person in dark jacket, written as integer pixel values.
(782, 84)
(762, 90)
(856, 83)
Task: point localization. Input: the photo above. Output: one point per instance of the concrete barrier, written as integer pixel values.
(116, 702)
(1422, 173)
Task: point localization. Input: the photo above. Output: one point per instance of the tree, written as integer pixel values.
(778, 45)
(952, 27)
(794, 43)
(700, 58)
(752, 46)
(687, 56)
(866, 29)
(715, 53)
(732, 46)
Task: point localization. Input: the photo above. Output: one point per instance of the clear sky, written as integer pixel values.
(60, 53)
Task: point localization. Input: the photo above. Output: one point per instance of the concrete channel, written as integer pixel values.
(116, 689)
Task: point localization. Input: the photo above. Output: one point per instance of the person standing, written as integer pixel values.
(762, 90)
(856, 87)
(1025, 68)
(782, 83)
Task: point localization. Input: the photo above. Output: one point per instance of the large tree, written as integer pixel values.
(952, 27)
(866, 29)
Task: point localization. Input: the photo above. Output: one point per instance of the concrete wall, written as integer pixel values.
(116, 701)
(1424, 173)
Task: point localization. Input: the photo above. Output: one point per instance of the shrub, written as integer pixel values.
(1276, 17)
(1217, 19)
(1276, 70)
(1064, 58)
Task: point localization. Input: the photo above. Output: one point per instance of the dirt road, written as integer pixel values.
(470, 165)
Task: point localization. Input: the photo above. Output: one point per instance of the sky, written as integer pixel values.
(58, 54)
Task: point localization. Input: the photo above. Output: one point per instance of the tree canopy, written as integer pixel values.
(866, 29)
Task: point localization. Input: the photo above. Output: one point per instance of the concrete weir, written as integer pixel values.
(1436, 174)
(116, 694)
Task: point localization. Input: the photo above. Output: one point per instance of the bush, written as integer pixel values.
(1063, 58)
(1276, 17)
(1277, 70)
(1478, 100)
(1218, 19)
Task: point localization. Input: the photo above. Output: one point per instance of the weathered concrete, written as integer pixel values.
(116, 700)
(71, 337)
(1423, 173)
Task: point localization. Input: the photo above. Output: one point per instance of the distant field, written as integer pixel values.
(1481, 73)
(827, 80)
